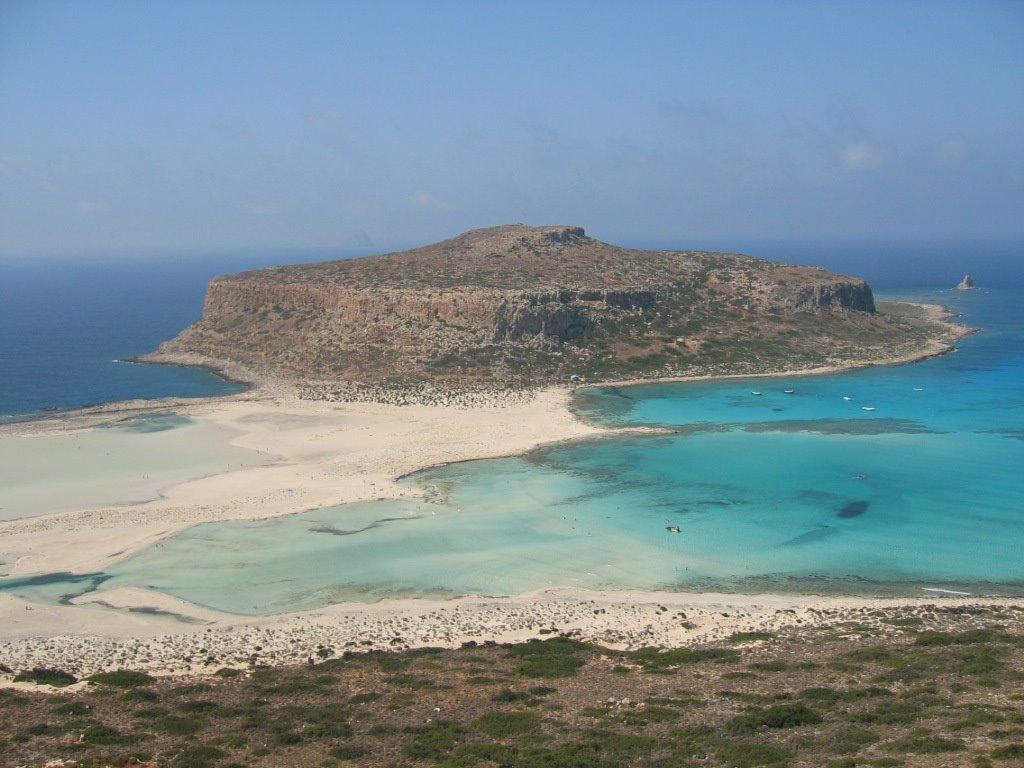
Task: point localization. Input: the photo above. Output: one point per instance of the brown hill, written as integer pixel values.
(523, 306)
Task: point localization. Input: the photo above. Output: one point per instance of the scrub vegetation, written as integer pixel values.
(935, 687)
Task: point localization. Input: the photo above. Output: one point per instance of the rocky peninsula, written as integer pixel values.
(517, 307)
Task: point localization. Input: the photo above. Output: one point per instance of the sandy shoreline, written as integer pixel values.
(162, 644)
(325, 454)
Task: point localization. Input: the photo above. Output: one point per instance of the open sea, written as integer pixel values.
(888, 480)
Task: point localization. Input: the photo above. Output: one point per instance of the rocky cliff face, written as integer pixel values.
(834, 294)
(516, 303)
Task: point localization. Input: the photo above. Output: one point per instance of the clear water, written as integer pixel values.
(800, 491)
(130, 462)
(67, 325)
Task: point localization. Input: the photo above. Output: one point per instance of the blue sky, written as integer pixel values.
(139, 127)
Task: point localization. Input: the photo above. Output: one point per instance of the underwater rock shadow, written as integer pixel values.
(875, 426)
(375, 524)
(854, 509)
(810, 537)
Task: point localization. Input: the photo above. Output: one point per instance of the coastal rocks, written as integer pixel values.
(966, 284)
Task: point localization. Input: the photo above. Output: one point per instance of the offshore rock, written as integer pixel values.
(966, 284)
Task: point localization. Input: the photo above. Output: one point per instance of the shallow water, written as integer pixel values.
(129, 462)
(800, 491)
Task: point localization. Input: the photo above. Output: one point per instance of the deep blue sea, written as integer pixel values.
(67, 324)
(888, 480)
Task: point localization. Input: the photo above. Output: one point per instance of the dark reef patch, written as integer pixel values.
(812, 536)
(843, 426)
(330, 529)
(854, 509)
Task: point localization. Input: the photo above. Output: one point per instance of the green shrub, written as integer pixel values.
(503, 724)
(58, 678)
(328, 721)
(474, 754)
(740, 675)
(122, 678)
(555, 645)
(553, 666)
(778, 716)
(601, 749)
(104, 734)
(850, 740)
(649, 714)
(924, 743)
(178, 726)
(434, 741)
(548, 658)
(1009, 752)
(44, 729)
(151, 712)
(839, 694)
(286, 738)
(347, 752)
(741, 755)
(980, 661)
(970, 637)
(197, 705)
(655, 659)
(198, 756)
(72, 708)
(508, 696)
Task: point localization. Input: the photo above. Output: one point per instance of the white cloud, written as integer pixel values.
(265, 209)
(422, 199)
(952, 150)
(92, 207)
(861, 156)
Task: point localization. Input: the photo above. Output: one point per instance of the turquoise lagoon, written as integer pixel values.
(129, 462)
(801, 491)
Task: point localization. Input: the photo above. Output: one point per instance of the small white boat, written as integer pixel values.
(847, 397)
(757, 394)
(919, 389)
(672, 529)
(868, 408)
(789, 391)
